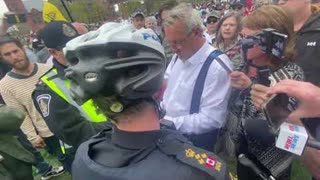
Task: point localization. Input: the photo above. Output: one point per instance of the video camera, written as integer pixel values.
(270, 42)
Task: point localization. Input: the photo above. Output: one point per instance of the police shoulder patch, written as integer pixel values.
(43, 101)
(178, 146)
(203, 160)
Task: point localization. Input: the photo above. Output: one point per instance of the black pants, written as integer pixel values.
(206, 140)
(42, 166)
(53, 147)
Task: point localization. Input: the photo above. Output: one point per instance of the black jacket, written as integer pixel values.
(156, 155)
(308, 58)
(308, 49)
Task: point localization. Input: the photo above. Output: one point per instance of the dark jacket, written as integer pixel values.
(156, 155)
(15, 162)
(308, 57)
(308, 49)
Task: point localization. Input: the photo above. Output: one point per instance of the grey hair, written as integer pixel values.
(185, 14)
(151, 18)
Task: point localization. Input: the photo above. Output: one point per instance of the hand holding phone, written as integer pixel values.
(276, 110)
(239, 80)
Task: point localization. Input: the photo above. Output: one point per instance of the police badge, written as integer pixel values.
(68, 31)
(44, 102)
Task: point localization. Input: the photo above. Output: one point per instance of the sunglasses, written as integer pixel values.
(212, 20)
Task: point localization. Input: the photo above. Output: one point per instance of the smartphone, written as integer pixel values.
(276, 111)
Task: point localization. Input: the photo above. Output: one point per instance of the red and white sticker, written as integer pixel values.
(210, 162)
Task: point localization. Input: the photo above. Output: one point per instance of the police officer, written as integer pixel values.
(125, 68)
(15, 161)
(67, 120)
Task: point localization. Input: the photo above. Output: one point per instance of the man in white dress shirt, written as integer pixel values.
(183, 30)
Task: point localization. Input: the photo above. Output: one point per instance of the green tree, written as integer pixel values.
(86, 11)
(127, 8)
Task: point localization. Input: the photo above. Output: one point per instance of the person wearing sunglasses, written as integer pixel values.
(211, 26)
(239, 8)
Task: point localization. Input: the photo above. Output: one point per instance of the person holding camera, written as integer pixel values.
(255, 140)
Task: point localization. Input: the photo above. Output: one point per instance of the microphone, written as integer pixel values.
(294, 139)
(244, 160)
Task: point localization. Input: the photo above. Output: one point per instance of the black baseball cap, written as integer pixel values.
(56, 34)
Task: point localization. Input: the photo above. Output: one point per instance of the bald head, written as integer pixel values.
(80, 27)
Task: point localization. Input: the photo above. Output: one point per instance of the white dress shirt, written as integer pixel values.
(209, 37)
(181, 77)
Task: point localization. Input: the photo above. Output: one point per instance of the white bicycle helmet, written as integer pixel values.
(115, 60)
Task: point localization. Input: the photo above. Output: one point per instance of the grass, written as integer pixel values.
(299, 172)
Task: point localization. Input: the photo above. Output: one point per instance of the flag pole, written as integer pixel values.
(65, 7)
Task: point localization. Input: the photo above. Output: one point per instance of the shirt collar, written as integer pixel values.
(60, 68)
(201, 54)
(21, 76)
(135, 140)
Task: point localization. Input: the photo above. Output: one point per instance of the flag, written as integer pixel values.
(210, 162)
(51, 13)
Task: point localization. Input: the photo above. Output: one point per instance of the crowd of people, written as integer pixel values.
(170, 96)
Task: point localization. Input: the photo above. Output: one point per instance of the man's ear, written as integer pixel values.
(197, 32)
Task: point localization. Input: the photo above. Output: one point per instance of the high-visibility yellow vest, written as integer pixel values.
(61, 87)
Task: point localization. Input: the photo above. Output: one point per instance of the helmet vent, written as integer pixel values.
(91, 77)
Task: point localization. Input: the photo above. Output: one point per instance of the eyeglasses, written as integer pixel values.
(179, 44)
(212, 20)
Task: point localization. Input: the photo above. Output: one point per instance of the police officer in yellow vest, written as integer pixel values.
(71, 123)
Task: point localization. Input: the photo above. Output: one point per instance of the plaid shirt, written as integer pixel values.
(232, 51)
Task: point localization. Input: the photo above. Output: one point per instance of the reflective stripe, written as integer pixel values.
(60, 86)
(63, 149)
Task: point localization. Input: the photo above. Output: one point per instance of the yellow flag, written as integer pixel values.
(51, 13)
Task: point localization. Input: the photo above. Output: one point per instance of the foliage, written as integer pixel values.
(127, 8)
(85, 11)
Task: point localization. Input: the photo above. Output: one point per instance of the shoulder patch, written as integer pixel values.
(203, 160)
(177, 145)
(43, 101)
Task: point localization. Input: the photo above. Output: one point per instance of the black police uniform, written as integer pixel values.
(64, 120)
(152, 155)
